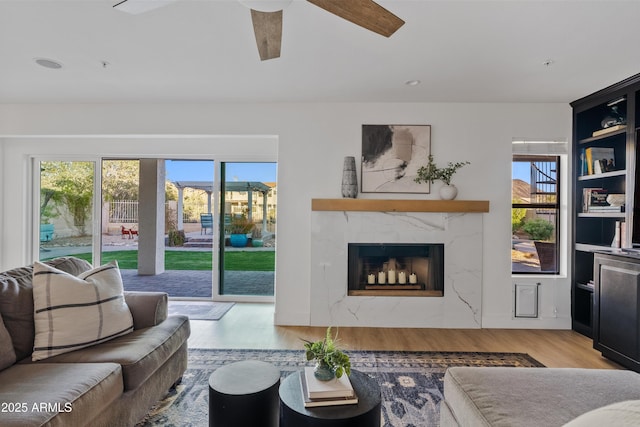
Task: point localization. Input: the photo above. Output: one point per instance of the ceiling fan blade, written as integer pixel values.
(267, 27)
(365, 13)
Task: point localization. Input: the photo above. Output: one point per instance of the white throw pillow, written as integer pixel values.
(75, 312)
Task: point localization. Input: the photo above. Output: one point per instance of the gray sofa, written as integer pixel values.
(110, 384)
(535, 397)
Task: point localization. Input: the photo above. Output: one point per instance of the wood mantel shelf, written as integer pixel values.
(390, 205)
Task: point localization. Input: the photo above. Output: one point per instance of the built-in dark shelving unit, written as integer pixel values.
(594, 231)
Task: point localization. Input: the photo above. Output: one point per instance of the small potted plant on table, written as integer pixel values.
(330, 361)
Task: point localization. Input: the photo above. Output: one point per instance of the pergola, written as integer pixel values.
(249, 186)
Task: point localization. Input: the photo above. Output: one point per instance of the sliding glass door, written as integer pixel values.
(219, 235)
(248, 206)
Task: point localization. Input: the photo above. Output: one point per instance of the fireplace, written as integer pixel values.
(331, 302)
(396, 269)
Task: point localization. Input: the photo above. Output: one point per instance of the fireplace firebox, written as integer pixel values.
(396, 269)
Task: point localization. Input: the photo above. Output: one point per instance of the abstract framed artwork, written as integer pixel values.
(391, 157)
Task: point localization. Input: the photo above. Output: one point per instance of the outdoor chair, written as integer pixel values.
(206, 221)
(128, 232)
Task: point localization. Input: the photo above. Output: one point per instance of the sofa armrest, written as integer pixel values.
(147, 308)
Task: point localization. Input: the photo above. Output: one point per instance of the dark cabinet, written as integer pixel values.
(605, 190)
(616, 322)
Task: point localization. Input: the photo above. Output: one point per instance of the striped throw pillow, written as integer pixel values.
(75, 312)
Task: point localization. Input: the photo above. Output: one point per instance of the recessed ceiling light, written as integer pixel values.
(48, 63)
(412, 82)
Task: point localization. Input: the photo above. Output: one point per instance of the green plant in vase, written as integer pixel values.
(431, 172)
(330, 360)
(238, 230)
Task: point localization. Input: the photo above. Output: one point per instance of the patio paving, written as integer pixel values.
(177, 283)
(197, 284)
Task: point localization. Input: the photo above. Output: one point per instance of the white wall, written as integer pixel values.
(312, 141)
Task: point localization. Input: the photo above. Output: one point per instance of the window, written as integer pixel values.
(535, 213)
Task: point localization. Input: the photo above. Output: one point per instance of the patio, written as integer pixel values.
(177, 283)
(197, 284)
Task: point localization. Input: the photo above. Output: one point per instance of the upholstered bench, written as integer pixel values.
(496, 396)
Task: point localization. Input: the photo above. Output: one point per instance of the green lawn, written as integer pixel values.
(196, 260)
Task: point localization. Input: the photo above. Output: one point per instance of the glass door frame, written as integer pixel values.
(218, 218)
(96, 235)
(97, 205)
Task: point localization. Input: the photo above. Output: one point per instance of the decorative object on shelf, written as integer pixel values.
(616, 242)
(616, 199)
(391, 155)
(431, 172)
(402, 278)
(330, 360)
(615, 117)
(448, 192)
(608, 130)
(599, 160)
(349, 178)
(413, 279)
(392, 277)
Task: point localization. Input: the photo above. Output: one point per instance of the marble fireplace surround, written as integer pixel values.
(457, 224)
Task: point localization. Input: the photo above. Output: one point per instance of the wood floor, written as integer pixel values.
(251, 326)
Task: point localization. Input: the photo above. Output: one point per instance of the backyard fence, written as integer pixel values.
(126, 212)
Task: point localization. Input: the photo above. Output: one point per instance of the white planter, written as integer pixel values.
(448, 192)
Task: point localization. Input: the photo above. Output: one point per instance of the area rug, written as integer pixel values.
(411, 382)
(200, 310)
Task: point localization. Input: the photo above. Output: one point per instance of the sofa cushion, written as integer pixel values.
(7, 354)
(16, 301)
(140, 353)
(76, 312)
(498, 396)
(72, 393)
(621, 414)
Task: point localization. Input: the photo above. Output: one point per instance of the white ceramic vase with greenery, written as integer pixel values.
(431, 172)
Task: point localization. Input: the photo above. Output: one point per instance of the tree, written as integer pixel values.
(517, 216)
(70, 184)
(120, 179)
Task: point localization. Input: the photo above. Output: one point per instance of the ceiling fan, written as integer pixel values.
(267, 23)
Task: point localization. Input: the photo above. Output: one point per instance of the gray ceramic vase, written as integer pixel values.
(349, 178)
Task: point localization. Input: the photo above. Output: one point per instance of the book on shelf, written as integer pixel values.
(351, 399)
(336, 387)
(597, 200)
(605, 209)
(593, 197)
(600, 160)
(608, 130)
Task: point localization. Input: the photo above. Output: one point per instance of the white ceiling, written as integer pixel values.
(204, 51)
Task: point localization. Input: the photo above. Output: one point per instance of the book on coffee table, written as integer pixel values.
(336, 387)
(351, 399)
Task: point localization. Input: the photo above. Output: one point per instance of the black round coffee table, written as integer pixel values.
(244, 394)
(366, 413)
